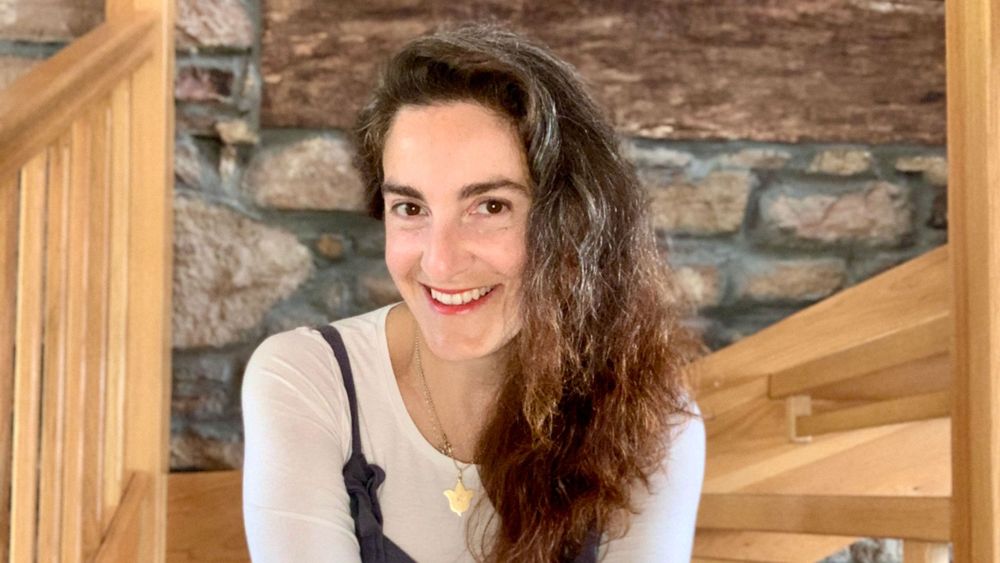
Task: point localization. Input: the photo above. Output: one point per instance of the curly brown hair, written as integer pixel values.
(595, 376)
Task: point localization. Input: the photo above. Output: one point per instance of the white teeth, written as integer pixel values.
(460, 298)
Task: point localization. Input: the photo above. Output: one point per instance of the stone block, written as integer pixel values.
(701, 284)
(656, 156)
(841, 162)
(332, 245)
(228, 271)
(879, 214)
(790, 279)
(192, 167)
(206, 447)
(715, 205)
(204, 83)
(49, 20)
(376, 289)
(934, 168)
(833, 70)
(214, 23)
(756, 158)
(314, 173)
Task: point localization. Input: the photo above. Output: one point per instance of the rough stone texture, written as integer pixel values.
(765, 159)
(237, 132)
(933, 168)
(702, 284)
(195, 83)
(49, 20)
(314, 173)
(228, 271)
(714, 205)
(377, 289)
(841, 162)
(869, 550)
(12, 68)
(836, 70)
(214, 23)
(192, 167)
(207, 447)
(656, 156)
(791, 280)
(332, 245)
(878, 215)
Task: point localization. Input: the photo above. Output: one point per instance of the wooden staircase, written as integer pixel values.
(832, 423)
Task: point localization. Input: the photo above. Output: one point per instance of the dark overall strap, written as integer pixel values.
(362, 479)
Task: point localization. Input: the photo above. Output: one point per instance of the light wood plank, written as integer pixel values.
(114, 413)
(76, 319)
(918, 377)
(906, 409)
(906, 295)
(766, 546)
(898, 345)
(97, 315)
(205, 518)
(50, 499)
(973, 94)
(132, 522)
(10, 195)
(915, 551)
(925, 518)
(28, 360)
(43, 103)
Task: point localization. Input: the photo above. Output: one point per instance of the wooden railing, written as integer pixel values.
(85, 241)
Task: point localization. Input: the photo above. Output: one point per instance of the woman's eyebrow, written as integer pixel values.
(468, 191)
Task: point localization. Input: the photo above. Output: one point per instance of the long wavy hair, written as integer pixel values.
(594, 382)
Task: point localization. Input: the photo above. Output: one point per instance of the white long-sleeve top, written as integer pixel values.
(298, 435)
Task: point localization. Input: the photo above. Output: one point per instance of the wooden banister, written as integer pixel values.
(39, 106)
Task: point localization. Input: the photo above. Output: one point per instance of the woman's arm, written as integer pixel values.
(297, 432)
(664, 529)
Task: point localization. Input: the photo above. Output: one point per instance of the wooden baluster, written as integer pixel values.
(27, 361)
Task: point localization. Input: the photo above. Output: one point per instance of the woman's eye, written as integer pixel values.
(492, 207)
(406, 209)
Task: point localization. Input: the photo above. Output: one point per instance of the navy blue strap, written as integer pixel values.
(362, 479)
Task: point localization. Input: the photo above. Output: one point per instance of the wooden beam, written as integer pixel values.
(894, 411)
(926, 337)
(907, 295)
(973, 96)
(925, 518)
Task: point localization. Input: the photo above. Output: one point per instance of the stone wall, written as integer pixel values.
(269, 232)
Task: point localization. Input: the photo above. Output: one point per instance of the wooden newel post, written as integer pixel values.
(973, 52)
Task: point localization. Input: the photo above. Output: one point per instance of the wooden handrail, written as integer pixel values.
(42, 104)
(922, 518)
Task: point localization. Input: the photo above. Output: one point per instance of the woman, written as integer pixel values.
(524, 402)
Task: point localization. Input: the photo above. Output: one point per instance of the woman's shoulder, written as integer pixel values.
(300, 363)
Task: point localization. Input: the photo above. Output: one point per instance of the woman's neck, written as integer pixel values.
(463, 392)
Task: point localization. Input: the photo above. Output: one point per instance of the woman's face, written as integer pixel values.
(457, 193)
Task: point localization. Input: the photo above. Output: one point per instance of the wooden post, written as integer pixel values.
(973, 62)
(150, 262)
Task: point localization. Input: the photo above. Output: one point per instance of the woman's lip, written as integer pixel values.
(457, 309)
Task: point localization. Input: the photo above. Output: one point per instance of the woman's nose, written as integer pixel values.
(445, 252)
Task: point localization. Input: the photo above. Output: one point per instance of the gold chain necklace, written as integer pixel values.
(459, 497)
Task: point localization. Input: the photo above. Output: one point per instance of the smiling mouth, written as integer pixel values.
(461, 298)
